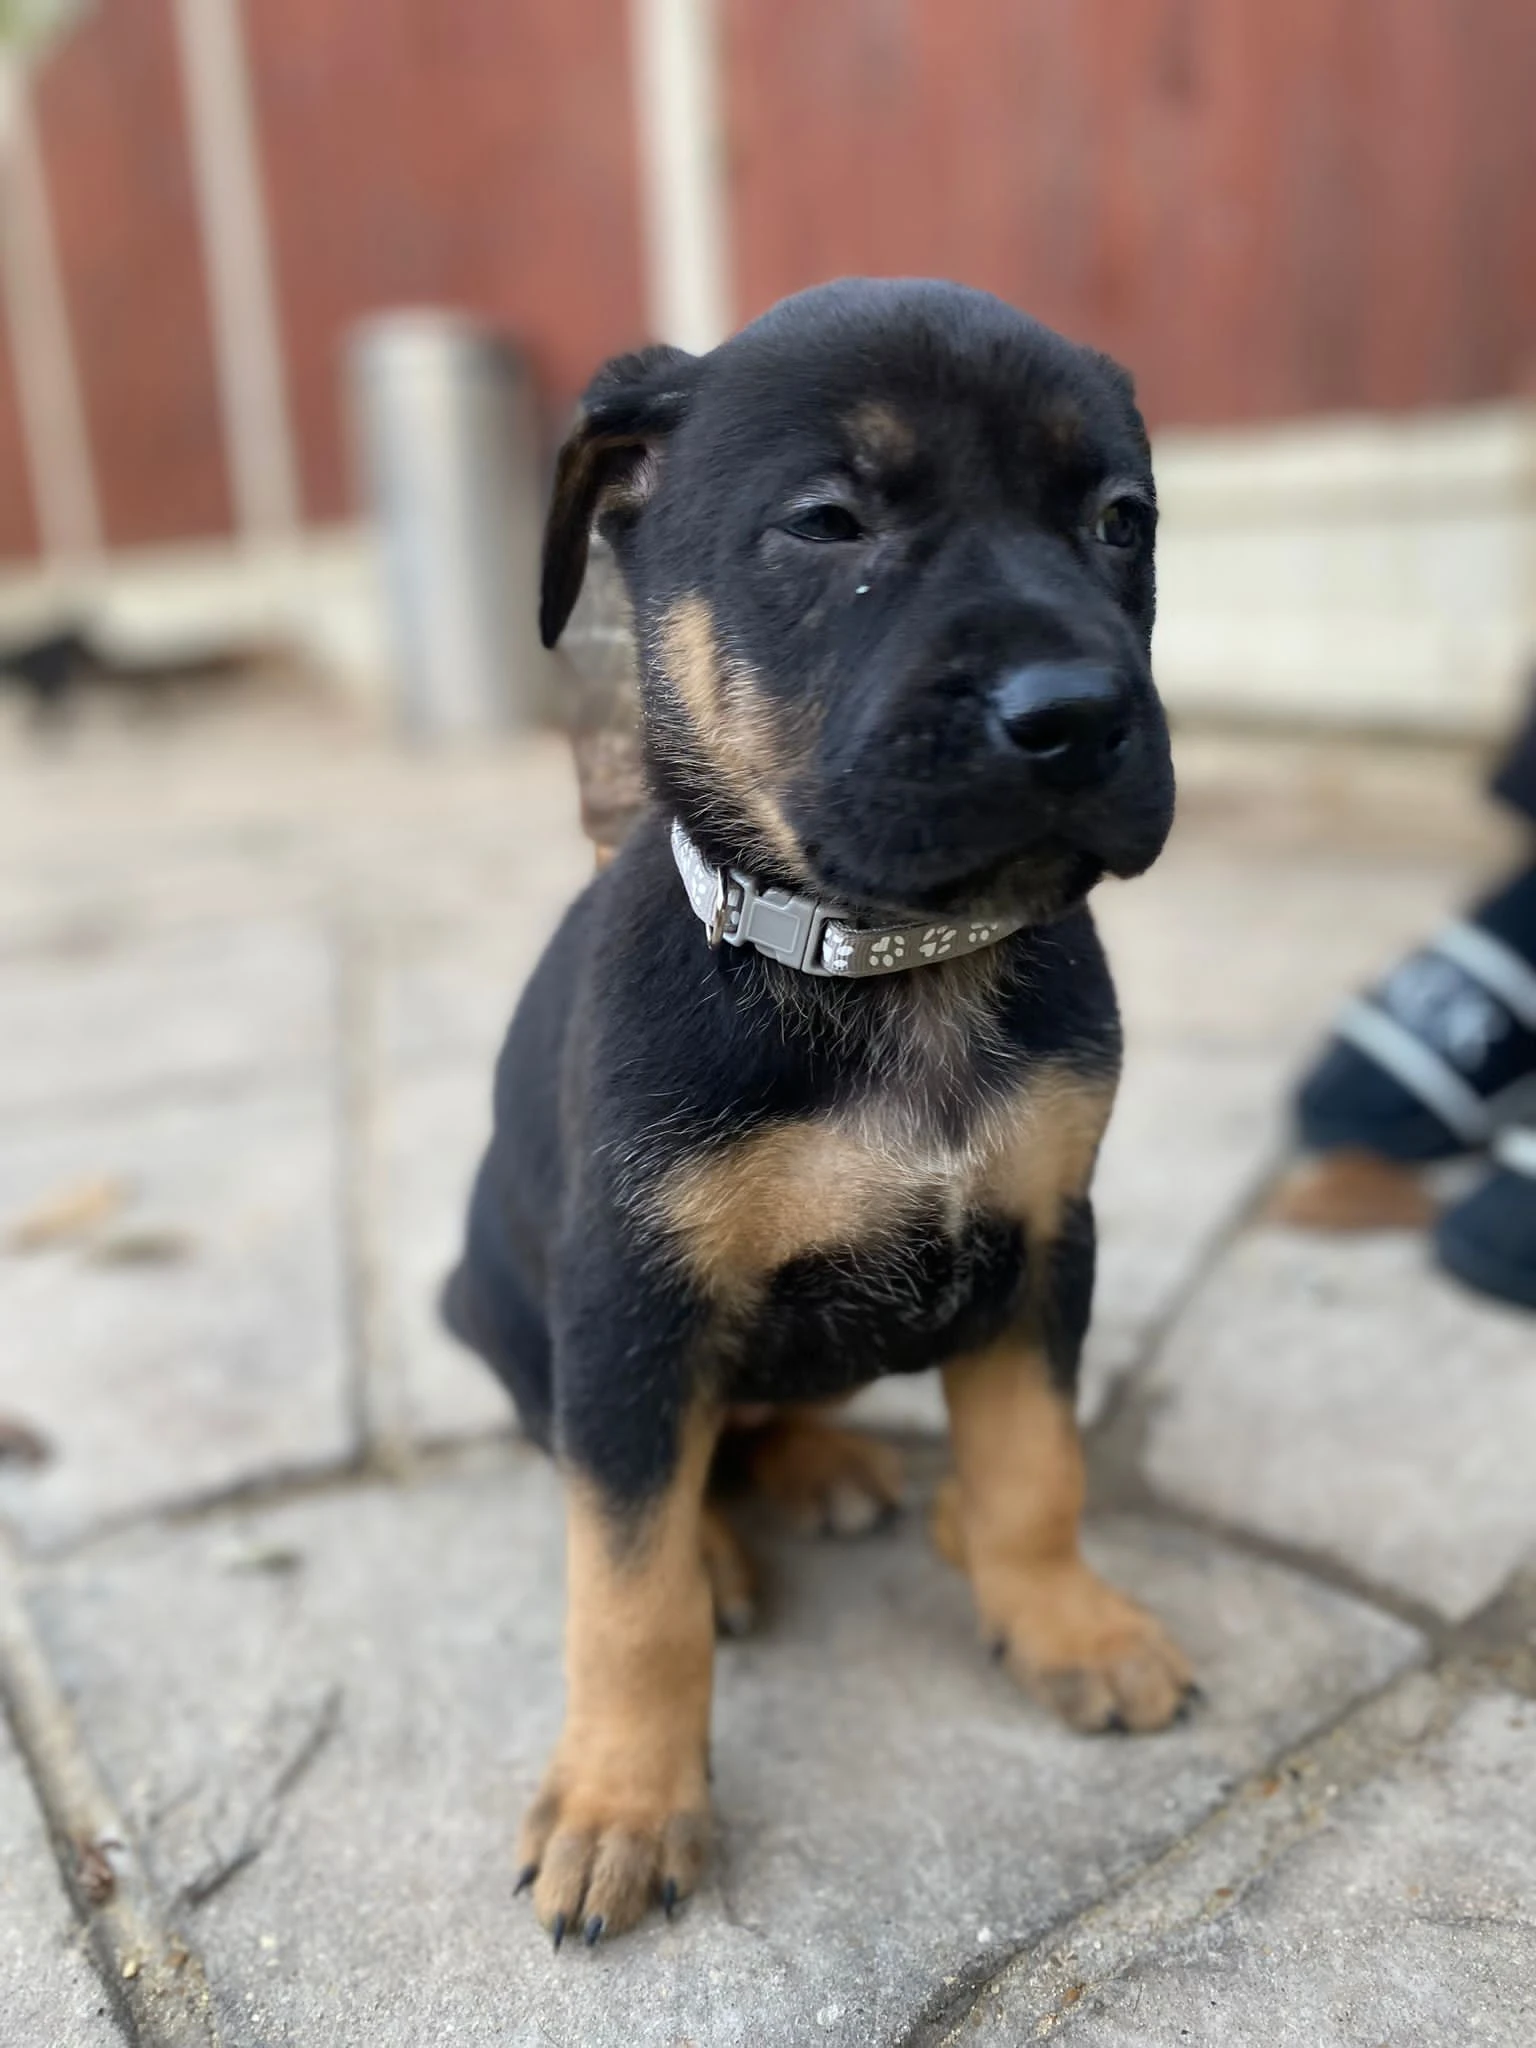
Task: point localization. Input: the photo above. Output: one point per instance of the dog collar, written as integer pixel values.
(799, 932)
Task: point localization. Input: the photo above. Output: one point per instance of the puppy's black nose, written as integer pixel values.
(1069, 720)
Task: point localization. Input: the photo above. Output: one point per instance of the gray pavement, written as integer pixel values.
(281, 1587)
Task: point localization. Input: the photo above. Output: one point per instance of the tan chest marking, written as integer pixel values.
(738, 1214)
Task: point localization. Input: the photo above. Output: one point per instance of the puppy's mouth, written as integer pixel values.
(1036, 888)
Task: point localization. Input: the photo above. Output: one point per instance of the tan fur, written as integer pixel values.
(1047, 1156)
(1010, 1519)
(881, 435)
(1063, 425)
(739, 1213)
(828, 1481)
(731, 722)
(624, 1809)
(732, 1581)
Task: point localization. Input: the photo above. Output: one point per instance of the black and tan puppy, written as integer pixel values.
(809, 1085)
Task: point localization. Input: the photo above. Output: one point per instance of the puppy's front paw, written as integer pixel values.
(1091, 1655)
(597, 1854)
(828, 1481)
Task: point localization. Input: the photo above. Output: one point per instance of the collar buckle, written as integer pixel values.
(786, 927)
(719, 912)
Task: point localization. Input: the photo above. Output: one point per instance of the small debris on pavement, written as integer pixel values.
(148, 1247)
(68, 1213)
(93, 1870)
(275, 1558)
(20, 1444)
(1351, 1191)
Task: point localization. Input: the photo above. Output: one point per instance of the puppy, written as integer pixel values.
(809, 1084)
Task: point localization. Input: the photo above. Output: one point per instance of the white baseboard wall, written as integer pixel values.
(317, 598)
(1370, 572)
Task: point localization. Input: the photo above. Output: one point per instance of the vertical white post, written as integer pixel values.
(226, 174)
(677, 109)
(53, 423)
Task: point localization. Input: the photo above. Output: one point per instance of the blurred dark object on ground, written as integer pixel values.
(1514, 781)
(51, 669)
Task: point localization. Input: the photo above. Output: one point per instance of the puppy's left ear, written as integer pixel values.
(607, 464)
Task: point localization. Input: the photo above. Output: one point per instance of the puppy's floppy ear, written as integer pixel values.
(630, 407)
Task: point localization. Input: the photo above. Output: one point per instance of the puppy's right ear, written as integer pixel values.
(607, 464)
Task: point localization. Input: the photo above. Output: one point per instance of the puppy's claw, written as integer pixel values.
(557, 1930)
(525, 1878)
(592, 1933)
(738, 1618)
(669, 1897)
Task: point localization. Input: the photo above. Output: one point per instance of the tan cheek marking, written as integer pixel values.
(688, 651)
(1046, 1158)
(795, 1188)
(730, 718)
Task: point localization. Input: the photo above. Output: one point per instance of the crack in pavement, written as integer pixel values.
(151, 1973)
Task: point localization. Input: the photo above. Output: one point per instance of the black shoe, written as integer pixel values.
(1488, 1239)
(1442, 1055)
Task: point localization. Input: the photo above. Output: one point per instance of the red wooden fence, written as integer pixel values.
(114, 145)
(1266, 209)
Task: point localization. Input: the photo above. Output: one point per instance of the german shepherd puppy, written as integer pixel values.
(809, 1084)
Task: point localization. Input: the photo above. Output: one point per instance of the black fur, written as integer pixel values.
(874, 656)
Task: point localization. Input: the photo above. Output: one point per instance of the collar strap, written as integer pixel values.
(799, 932)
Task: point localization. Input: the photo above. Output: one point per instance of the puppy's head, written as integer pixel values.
(890, 553)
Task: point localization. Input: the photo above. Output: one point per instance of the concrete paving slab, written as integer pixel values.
(195, 1338)
(448, 984)
(1222, 943)
(50, 1997)
(890, 1810)
(1408, 1919)
(1341, 1395)
(1192, 1135)
(209, 1007)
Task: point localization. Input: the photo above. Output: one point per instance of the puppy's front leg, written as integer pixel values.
(623, 1814)
(1010, 1520)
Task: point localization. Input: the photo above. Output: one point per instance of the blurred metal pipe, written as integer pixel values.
(53, 423)
(448, 435)
(677, 114)
(226, 178)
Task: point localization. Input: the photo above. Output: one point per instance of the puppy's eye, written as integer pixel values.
(1121, 524)
(827, 521)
